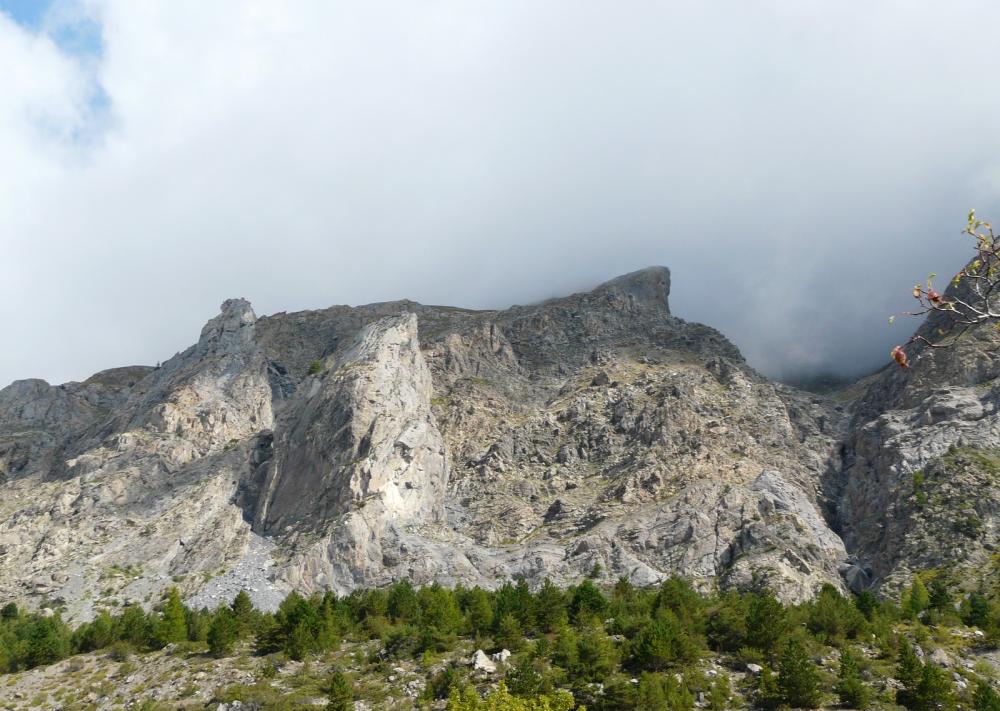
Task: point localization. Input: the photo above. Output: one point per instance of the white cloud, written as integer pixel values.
(795, 163)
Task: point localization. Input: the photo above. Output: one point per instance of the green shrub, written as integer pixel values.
(985, 698)
(664, 643)
(222, 633)
(718, 697)
(851, 690)
(341, 694)
(766, 621)
(798, 679)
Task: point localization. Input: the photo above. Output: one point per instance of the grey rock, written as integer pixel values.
(912, 457)
(482, 663)
(941, 658)
(438, 443)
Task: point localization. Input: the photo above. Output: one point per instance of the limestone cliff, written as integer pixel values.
(357, 445)
(919, 485)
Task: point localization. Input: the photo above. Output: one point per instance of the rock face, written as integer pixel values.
(592, 434)
(922, 462)
(358, 458)
(363, 431)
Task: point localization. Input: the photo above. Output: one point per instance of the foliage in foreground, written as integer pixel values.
(585, 646)
(502, 700)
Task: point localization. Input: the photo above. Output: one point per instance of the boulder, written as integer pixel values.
(482, 663)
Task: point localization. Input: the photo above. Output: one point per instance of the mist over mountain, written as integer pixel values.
(798, 165)
(382, 355)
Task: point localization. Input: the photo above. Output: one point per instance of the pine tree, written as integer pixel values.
(509, 635)
(504, 603)
(438, 609)
(586, 601)
(650, 694)
(679, 696)
(909, 671)
(908, 667)
(596, 655)
(832, 616)
(550, 607)
(624, 589)
(197, 623)
(6, 657)
(403, 605)
(935, 691)
(765, 621)
(524, 679)
(726, 625)
(47, 641)
(479, 611)
(172, 625)
(134, 627)
(269, 636)
(564, 654)
(243, 613)
(939, 596)
(299, 642)
(619, 693)
(341, 697)
(677, 595)
(916, 599)
(500, 699)
(372, 604)
(976, 611)
(850, 688)
(329, 629)
(222, 632)
(297, 627)
(798, 679)
(524, 605)
(663, 643)
(867, 603)
(100, 633)
(767, 693)
(718, 695)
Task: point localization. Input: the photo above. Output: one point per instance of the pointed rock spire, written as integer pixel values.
(232, 329)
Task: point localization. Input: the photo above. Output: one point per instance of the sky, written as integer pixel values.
(798, 164)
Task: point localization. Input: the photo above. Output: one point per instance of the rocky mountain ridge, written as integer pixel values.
(595, 434)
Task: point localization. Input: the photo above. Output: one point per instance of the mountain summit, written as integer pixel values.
(595, 434)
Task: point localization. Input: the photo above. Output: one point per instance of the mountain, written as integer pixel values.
(918, 488)
(596, 434)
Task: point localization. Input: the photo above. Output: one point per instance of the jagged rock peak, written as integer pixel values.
(232, 328)
(391, 331)
(29, 387)
(649, 286)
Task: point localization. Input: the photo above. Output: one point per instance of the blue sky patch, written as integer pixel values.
(73, 31)
(78, 35)
(29, 13)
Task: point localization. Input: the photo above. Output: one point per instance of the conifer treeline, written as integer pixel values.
(641, 647)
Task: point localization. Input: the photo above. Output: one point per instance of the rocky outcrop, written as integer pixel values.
(595, 434)
(357, 457)
(363, 431)
(918, 489)
(132, 497)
